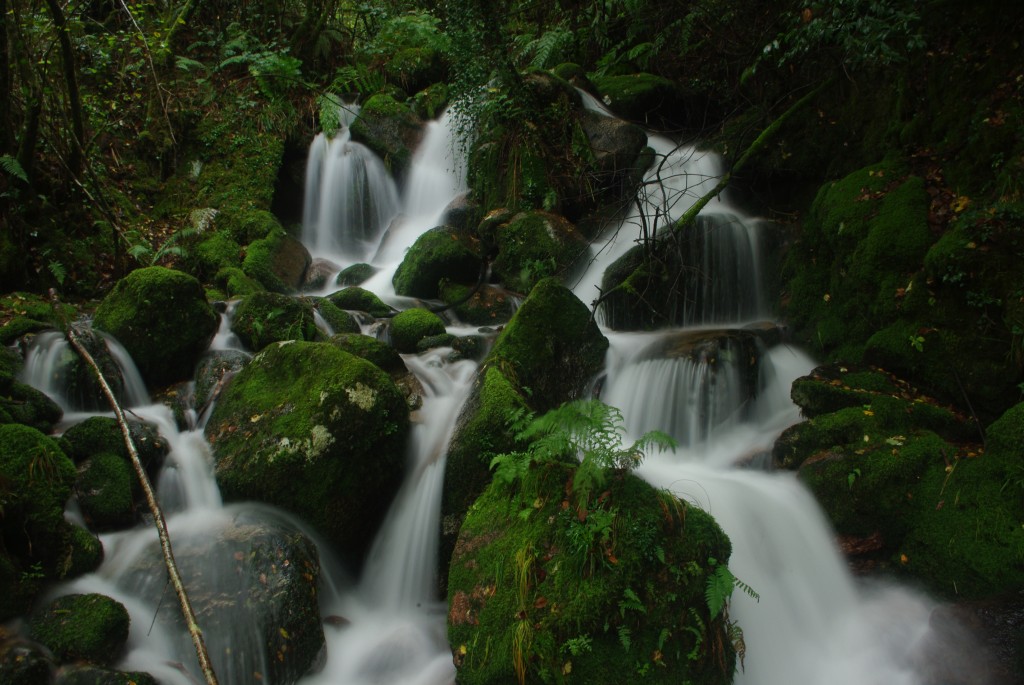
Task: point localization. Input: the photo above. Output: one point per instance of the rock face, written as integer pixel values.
(267, 317)
(253, 581)
(279, 262)
(162, 318)
(438, 253)
(538, 585)
(317, 431)
(389, 128)
(534, 245)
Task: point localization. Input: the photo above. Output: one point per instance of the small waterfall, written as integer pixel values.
(350, 199)
(53, 367)
(334, 192)
(397, 630)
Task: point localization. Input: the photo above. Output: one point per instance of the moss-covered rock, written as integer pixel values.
(538, 587)
(162, 318)
(89, 627)
(102, 434)
(355, 274)
(245, 225)
(437, 254)
(236, 284)
(339, 320)
(21, 403)
(104, 492)
(535, 245)
(278, 262)
(357, 299)
(408, 327)
(649, 99)
(36, 479)
(267, 317)
(18, 327)
(317, 431)
(389, 128)
(374, 351)
(551, 346)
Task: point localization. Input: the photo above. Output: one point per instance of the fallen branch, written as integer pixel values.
(154, 506)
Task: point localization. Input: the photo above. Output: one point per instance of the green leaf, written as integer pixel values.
(13, 167)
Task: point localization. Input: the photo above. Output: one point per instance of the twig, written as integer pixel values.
(154, 506)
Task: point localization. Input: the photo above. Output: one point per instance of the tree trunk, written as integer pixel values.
(71, 81)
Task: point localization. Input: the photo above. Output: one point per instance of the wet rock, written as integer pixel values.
(319, 272)
(89, 627)
(267, 317)
(279, 262)
(409, 327)
(438, 253)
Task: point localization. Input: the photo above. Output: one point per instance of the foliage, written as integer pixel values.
(587, 430)
(860, 33)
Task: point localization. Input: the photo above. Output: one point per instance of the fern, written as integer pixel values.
(719, 587)
(625, 637)
(13, 167)
(631, 602)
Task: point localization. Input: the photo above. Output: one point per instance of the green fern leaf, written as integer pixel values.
(13, 167)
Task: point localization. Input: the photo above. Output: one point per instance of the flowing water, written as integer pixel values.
(813, 623)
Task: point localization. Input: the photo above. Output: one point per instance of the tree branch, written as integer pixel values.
(154, 507)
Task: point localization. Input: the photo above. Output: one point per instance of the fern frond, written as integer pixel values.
(13, 167)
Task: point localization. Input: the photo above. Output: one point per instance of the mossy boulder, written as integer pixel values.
(254, 582)
(214, 369)
(373, 350)
(357, 299)
(163, 320)
(105, 493)
(437, 254)
(21, 403)
(19, 327)
(245, 224)
(619, 158)
(317, 431)
(267, 317)
(536, 587)
(534, 245)
(355, 274)
(89, 627)
(279, 262)
(551, 346)
(339, 320)
(235, 283)
(409, 327)
(390, 128)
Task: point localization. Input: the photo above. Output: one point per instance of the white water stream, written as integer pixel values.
(813, 624)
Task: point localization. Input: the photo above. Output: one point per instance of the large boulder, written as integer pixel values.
(162, 318)
(253, 579)
(317, 431)
(89, 627)
(357, 299)
(595, 594)
(411, 326)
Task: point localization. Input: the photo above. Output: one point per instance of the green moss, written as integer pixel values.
(88, 627)
(84, 674)
(219, 251)
(270, 261)
(99, 434)
(85, 552)
(532, 580)
(36, 307)
(356, 299)
(536, 245)
(640, 96)
(37, 477)
(19, 326)
(355, 274)
(105, 492)
(245, 225)
(408, 327)
(317, 431)
(337, 318)
(236, 284)
(24, 404)
(162, 318)
(378, 353)
(266, 317)
(551, 346)
(438, 253)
